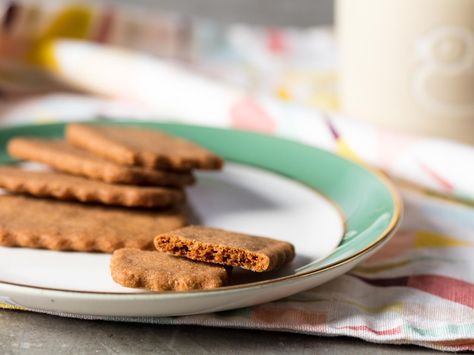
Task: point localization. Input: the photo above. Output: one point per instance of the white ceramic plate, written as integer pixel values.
(332, 229)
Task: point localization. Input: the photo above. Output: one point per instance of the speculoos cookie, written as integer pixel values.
(218, 246)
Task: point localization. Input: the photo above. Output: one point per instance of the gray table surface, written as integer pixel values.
(29, 333)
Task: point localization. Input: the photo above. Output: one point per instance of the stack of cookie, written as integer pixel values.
(111, 187)
(121, 189)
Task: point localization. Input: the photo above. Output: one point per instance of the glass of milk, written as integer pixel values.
(409, 64)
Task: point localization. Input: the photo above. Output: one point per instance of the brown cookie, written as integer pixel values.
(227, 248)
(150, 148)
(64, 157)
(157, 271)
(57, 225)
(68, 187)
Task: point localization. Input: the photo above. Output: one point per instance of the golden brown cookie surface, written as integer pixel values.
(68, 187)
(227, 248)
(158, 271)
(57, 225)
(141, 147)
(59, 155)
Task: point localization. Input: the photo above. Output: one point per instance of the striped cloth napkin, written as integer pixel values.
(411, 292)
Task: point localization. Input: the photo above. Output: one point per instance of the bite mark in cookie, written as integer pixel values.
(218, 246)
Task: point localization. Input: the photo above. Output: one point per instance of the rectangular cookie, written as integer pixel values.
(218, 246)
(68, 187)
(157, 271)
(61, 156)
(150, 148)
(36, 223)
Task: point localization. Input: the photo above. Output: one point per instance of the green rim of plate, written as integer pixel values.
(368, 201)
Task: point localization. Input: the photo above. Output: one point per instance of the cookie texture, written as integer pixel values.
(157, 271)
(68, 187)
(57, 225)
(64, 157)
(150, 148)
(218, 246)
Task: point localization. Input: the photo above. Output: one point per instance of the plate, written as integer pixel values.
(334, 211)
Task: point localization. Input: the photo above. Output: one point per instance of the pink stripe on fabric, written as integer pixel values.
(364, 328)
(445, 287)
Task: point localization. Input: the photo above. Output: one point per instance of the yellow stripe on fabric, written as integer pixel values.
(283, 94)
(71, 22)
(425, 239)
(45, 56)
(395, 307)
(9, 306)
(342, 148)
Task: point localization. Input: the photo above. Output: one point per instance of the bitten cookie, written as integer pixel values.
(157, 271)
(68, 187)
(57, 225)
(141, 147)
(64, 157)
(227, 248)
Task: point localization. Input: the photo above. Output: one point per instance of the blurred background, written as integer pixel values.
(262, 12)
(377, 81)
